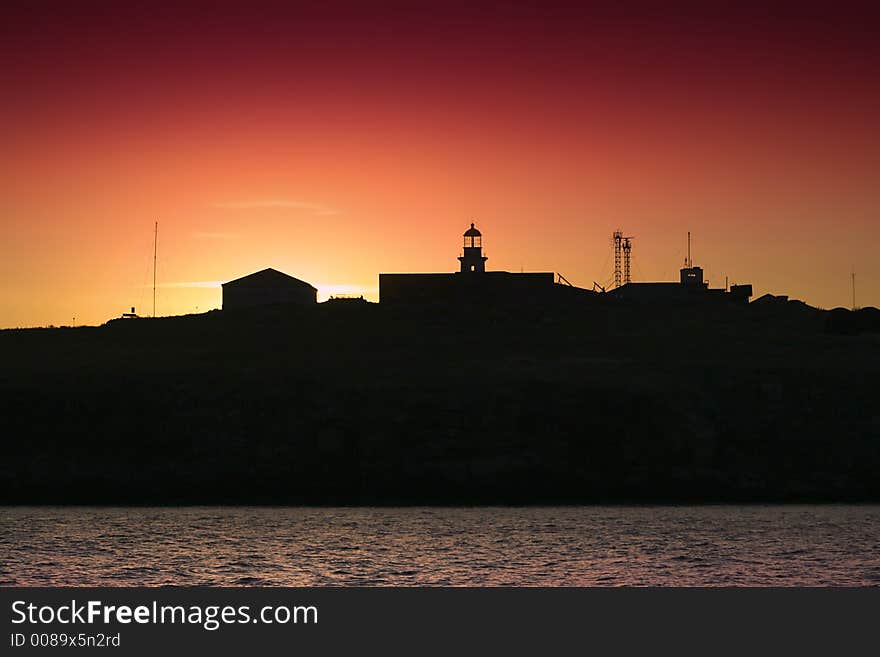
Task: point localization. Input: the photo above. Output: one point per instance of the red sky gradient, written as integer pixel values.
(335, 140)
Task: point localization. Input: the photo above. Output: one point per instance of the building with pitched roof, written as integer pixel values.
(265, 288)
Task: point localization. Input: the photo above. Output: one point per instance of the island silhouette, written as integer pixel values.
(473, 387)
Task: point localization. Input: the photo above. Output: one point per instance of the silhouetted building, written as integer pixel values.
(691, 288)
(771, 299)
(657, 292)
(488, 287)
(267, 287)
(741, 292)
(693, 277)
(472, 283)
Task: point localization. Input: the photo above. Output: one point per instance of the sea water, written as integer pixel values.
(427, 546)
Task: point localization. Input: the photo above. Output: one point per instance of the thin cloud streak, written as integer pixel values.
(315, 208)
(215, 236)
(203, 284)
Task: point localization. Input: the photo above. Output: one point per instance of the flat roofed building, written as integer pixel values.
(472, 283)
(487, 287)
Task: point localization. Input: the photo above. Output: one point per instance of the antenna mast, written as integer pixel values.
(854, 288)
(618, 248)
(689, 261)
(622, 248)
(627, 248)
(155, 243)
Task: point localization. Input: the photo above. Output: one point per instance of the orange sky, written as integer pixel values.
(334, 143)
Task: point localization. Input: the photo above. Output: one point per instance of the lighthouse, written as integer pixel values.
(472, 283)
(473, 260)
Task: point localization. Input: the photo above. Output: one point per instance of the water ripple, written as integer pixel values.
(597, 546)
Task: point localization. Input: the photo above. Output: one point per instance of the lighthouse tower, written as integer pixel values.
(473, 260)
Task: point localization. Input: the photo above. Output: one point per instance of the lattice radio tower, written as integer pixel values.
(618, 248)
(622, 253)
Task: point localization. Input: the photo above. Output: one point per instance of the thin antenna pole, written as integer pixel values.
(854, 288)
(155, 243)
(690, 262)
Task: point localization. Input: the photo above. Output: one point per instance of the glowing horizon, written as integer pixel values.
(333, 143)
